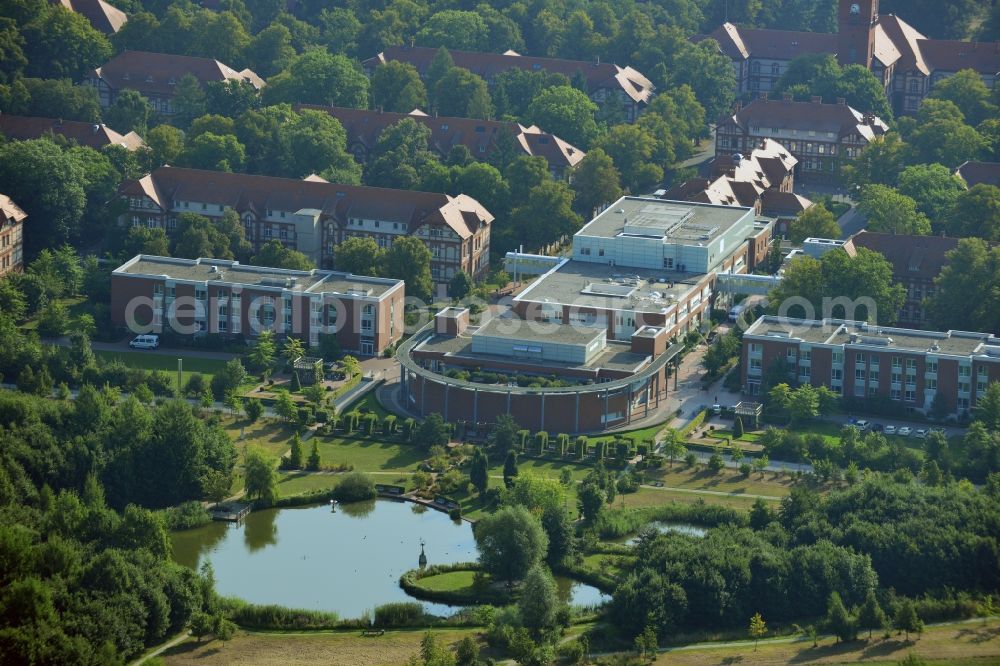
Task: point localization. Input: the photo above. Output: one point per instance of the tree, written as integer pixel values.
(510, 468)
(317, 77)
(814, 222)
(214, 152)
(867, 275)
(708, 72)
(467, 652)
(503, 437)
(890, 212)
(432, 431)
(262, 354)
(590, 500)
(270, 50)
(968, 92)
(53, 321)
(189, 100)
(934, 189)
(758, 628)
(880, 162)
(50, 188)
(673, 447)
(60, 43)
(631, 149)
(295, 452)
(545, 216)
(803, 404)
(462, 94)
(454, 29)
(988, 408)
(409, 260)
(967, 295)
(738, 427)
(130, 112)
(397, 86)
(201, 625)
(314, 463)
(260, 481)
(284, 406)
(539, 603)
(947, 141)
(315, 142)
(595, 182)
(976, 212)
(460, 285)
(510, 542)
(479, 471)
(228, 378)
(254, 409)
(566, 112)
(838, 621)
(276, 255)
(165, 144)
(906, 620)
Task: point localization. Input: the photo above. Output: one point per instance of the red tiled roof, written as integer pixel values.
(103, 16)
(952, 56)
(975, 173)
(910, 256)
(815, 116)
(10, 211)
(158, 73)
(487, 65)
(243, 192)
(479, 136)
(93, 135)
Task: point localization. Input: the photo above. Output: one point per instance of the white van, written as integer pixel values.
(145, 342)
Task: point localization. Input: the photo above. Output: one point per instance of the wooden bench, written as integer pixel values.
(373, 632)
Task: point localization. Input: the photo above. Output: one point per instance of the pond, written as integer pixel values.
(347, 561)
(670, 528)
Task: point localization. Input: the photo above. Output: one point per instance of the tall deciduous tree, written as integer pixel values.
(567, 113)
(409, 260)
(539, 603)
(814, 222)
(361, 256)
(463, 94)
(479, 472)
(397, 86)
(976, 213)
(276, 255)
(317, 77)
(595, 182)
(934, 188)
(510, 542)
(967, 295)
(890, 212)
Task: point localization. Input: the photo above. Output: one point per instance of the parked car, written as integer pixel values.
(877, 427)
(904, 431)
(145, 342)
(890, 430)
(863, 425)
(937, 429)
(921, 433)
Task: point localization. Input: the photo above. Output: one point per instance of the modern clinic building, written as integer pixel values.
(226, 298)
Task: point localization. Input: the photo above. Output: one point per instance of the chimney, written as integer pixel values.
(841, 101)
(816, 99)
(787, 97)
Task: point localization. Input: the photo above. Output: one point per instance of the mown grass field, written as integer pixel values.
(346, 648)
(453, 581)
(369, 455)
(271, 435)
(965, 644)
(146, 361)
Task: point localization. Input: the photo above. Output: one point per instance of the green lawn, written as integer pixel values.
(369, 455)
(371, 404)
(453, 581)
(271, 435)
(147, 361)
(299, 483)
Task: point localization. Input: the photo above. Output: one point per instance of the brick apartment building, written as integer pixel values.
(155, 76)
(11, 236)
(607, 84)
(864, 361)
(214, 296)
(313, 216)
(906, 62)
(483, 138)
(821, 137)
(92, 135)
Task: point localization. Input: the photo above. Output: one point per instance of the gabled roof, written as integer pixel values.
(910, 256)
(741, 43)
(783, 204)
(808, 116)
(479, 136)
(953, 56)
(885, 50)
(103, 16)
(905, 38)
(158, 73)
(487, 65)
(245, 192)
(10, 211)
(93, 135)
(975, 173)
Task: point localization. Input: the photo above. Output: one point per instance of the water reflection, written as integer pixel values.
(261, 532)
(358, 509)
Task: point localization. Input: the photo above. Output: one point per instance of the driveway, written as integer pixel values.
(183, 352)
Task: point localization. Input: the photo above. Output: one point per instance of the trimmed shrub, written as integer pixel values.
(542, 441)
(354, 487)
(522, 439)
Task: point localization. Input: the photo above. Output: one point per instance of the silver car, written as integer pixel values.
(904, 431)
